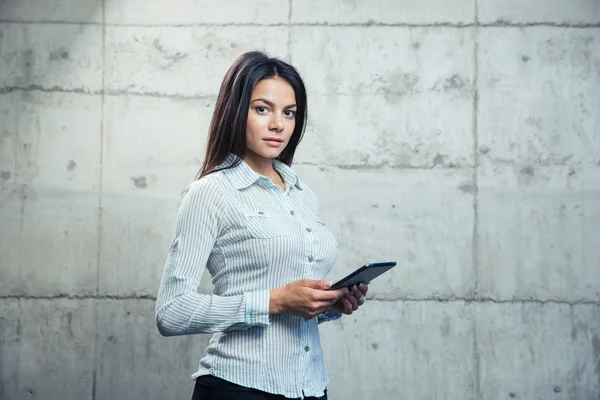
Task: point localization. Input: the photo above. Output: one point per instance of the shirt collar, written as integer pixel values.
(242, 176)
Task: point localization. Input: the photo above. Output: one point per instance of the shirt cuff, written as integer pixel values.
(328, 316)
(257, 308)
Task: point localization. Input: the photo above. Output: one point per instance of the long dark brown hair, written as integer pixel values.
(227, 132)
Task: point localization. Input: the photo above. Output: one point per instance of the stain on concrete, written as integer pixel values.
(438, 160)
(111, 338)
(172, 57)
(375, 206)
(534, 122)
(374, 345)
(399, 83)
(557, 389)
(416, 45)
(484, 150)
(5, 175)
(445, 329)
(28, 59)
(70, 322)
(453, 82)
(571, 172)
(60, 54)
(512, 395)
(393, 206)
(525, 58)
(140, 182)
(71, 166)
(466, 188)
(596, 352)
(527, 171)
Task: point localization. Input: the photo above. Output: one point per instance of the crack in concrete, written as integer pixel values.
(369, 23)
(53, 89)
(369, 167)
(59, 89)
(370, 297)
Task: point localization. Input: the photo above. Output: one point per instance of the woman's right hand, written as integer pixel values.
(306, 298)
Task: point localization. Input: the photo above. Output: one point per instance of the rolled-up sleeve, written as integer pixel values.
(180, 310)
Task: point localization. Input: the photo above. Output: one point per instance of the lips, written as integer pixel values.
(273, 141)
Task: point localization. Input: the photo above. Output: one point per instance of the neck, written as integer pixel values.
(261, 165)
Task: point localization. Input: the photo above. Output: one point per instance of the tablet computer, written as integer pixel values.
(364, 274)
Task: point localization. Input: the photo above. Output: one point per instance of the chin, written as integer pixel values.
(270, 152)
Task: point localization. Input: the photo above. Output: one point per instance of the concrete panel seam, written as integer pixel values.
(58, 89)
(475, 127)
(100, 196)
(53, 89)
(498, 23)
(289, 38)
(366, 167)
(379, 298)
(475, 238)
(564, 161)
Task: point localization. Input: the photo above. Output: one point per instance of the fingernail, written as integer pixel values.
(328, 284)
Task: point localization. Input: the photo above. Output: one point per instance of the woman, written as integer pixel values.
(254, 225)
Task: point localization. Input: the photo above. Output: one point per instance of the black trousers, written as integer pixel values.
(212, 388)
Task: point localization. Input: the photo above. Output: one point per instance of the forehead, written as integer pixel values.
(274, 89)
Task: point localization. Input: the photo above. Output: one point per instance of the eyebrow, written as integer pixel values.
(270, 104)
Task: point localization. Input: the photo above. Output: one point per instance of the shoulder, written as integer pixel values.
(205, 189)
(306, 188)
(309, 194)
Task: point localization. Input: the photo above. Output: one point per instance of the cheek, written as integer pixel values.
(290, 125)
(254, 125)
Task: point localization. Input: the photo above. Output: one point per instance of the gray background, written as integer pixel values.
(459, 137)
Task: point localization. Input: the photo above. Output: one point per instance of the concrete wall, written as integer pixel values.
(461, 138)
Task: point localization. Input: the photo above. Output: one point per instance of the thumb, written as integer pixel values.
(323, 285)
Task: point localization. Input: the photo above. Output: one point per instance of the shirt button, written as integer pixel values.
(308, 230)
(307, 349)
(292, 212)
(310, 258)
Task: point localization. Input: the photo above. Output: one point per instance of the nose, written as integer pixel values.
(276, 123)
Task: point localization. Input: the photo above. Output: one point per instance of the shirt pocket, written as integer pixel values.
(323, 227)
(262, 225)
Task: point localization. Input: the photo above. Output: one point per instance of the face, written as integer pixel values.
(271, 119)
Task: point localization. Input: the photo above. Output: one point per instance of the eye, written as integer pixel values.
(290, 113)
(262, 109)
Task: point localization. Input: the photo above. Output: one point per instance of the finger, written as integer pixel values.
(353, 300)
(348, 309)
(360, 294)
(359, 291)
(364, 288)
(330, 295)
(319, 284)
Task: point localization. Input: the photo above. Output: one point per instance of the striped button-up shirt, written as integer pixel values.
(252, 237)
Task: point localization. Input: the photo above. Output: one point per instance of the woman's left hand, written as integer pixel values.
(350, 302)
